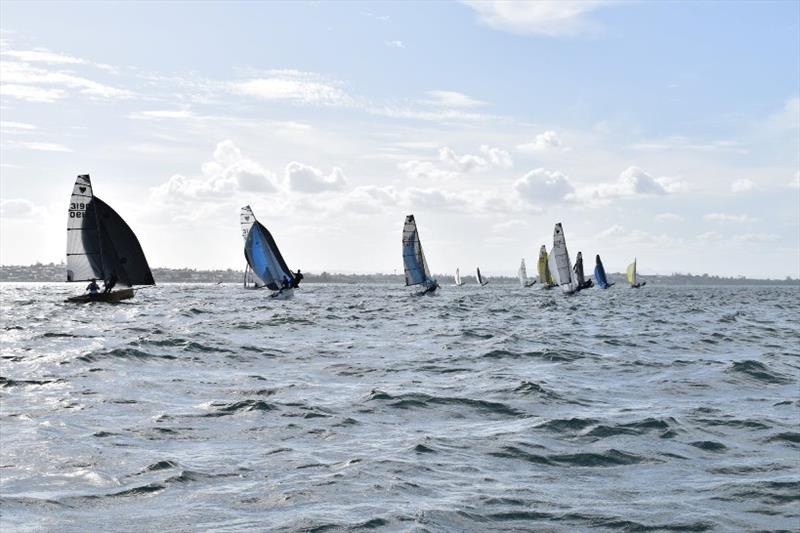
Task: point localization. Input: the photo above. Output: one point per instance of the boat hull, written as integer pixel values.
(111, 297)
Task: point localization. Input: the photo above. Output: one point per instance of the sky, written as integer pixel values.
(665, 131)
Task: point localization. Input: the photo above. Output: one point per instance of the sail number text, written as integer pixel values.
(77, 209)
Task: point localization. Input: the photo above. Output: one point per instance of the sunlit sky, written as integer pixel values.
(661, 130)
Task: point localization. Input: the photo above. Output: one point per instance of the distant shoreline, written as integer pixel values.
(55, 273)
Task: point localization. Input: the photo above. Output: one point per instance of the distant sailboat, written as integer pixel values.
(545, 277)
(265, 264)
(633, 278)
(600, 274)
(416, 268)
(481, 279)
(559, 262)
(458, 278)
(101, 246)
(522, 273)
(579, 278)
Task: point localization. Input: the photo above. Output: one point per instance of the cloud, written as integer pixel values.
(426, 171)
(683, 143)
(42, 55)
(724, 218)
(548, 140)
(24, 81)
(499, 158)
(633, 181)
(543, 187)
(452, 99)
(394, 44)
(305, 178)
(462, 163)
(369, 199)
(293, 86)
(9, 126)
(45, 147)
(795, 183)
(161, 114)
(19, 208)
(551, 18)
(669, 217)
(743, 185)
(226, 175)
(415, 198)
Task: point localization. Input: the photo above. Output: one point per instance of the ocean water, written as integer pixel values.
(205, 407)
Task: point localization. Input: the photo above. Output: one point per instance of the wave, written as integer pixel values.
(417, 400)
(608, 458)
(758, 371)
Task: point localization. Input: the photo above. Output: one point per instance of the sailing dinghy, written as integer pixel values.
(522, 273)
(633, 278)
(545, 277)
(265, 264)
(481, 279)
(600, 274)
(414, 264)
(559, 263)
(457, 278)
(101, 246)
(579, 278)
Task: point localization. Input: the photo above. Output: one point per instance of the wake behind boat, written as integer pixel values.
(633, 277)
(600, 274)
(265, 264)
(101, 246)
(522, 274)
(414, 263)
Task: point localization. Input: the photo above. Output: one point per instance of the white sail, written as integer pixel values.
(522, 273)
(563, 270)
(246, 218)
(458, 277)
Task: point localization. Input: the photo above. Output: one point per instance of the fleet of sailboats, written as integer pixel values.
(102, 247)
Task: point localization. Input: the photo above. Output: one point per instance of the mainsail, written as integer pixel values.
(632, 279)
(600, 274)
(543, 268)
(100, 245)
(262, 254)
(563, 268)
(458, 277)
(522, 274)
(480, 278)
(416, 268)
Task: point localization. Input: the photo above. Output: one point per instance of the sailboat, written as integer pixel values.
(579, 278)
(522, 273)
(559, 263)
(633, 278)
(458, 281)
(265, 264)
(101, 246)
(481, 279)
(414, 264)
(545, 277)
(600, 274)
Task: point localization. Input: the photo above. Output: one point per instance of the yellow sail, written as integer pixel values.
(541, 267)
(632, 273)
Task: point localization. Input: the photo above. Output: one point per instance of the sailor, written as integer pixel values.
(298, 277)
(93, 287)
(109, 283)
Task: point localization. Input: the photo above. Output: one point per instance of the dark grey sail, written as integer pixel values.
(100, 244)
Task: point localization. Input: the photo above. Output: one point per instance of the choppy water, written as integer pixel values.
(495, 408)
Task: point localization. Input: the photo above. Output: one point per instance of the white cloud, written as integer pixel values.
(45, 147)
(756, 238)
(743, 185)
(462, 163)
(305, 178)
(161, 114)
(683, 143)
(669, 217)
(498, 157)
(549, 140)
(551, 18)
(452, 99)
(17, 74)
(724, 218)
(6, 125)
(369, 199)
(426, 171)
(293, 86)
(415, 198)
(30, 93)
(543, 187)
(394, 44)
(795, 183)
(42, 55)
(228, 174)
(633, 181)
(19, 208)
